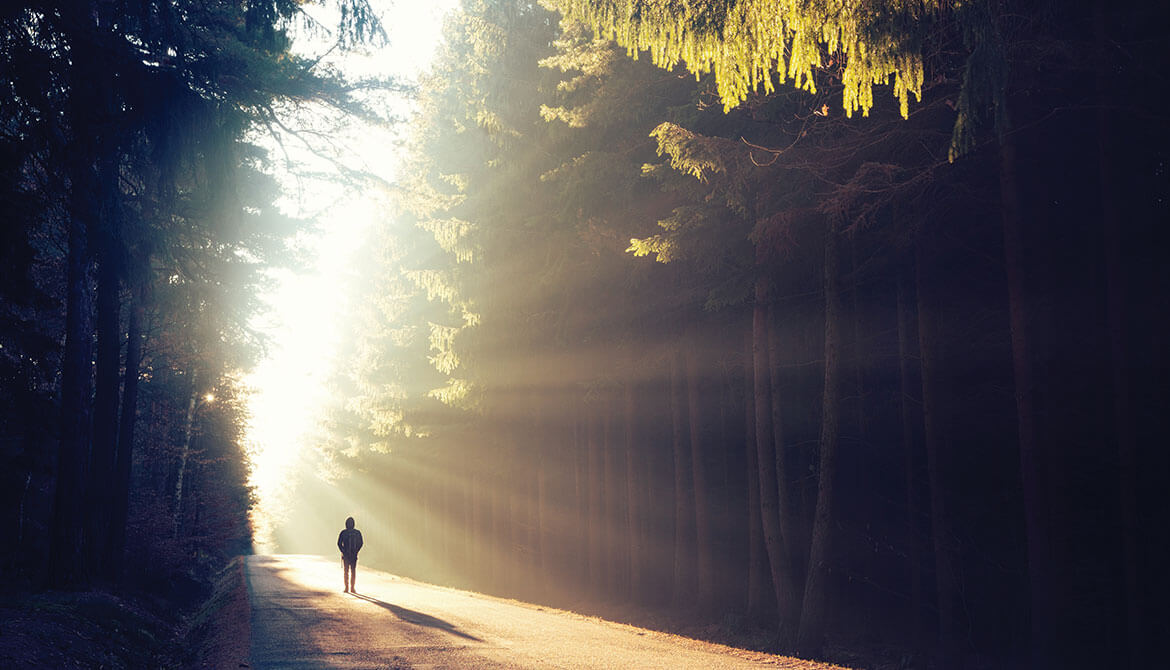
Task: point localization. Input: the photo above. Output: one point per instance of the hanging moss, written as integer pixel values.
(752, 45)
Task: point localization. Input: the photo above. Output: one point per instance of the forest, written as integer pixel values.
(140, 222)
(835, 328)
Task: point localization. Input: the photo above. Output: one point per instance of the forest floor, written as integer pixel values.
(85, 629)
(98, 629)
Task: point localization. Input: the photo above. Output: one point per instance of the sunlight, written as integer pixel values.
(303, 322)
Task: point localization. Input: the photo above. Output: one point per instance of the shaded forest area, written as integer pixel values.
(139, 223)
(886, 379)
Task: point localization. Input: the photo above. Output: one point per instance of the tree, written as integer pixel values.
(746, 43)
(153, 103)
(540, 228)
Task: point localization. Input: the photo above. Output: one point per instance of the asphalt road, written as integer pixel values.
(301, 619)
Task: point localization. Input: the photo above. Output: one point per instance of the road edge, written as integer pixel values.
(221, 631)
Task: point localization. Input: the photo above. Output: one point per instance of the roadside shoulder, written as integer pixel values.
(218, 634)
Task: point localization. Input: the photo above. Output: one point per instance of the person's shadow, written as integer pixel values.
(418, 618)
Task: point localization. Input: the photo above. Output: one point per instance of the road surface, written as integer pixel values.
(301, 619)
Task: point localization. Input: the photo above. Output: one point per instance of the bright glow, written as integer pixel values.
(288, 386)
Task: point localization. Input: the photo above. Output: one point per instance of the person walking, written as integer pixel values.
(350, 543)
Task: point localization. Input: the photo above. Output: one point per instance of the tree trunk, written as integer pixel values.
(67, 564)
(634, 486)
(426, 523)
(815, 610)
(684, 514)
(580, 559)
(184, 456)
(933, 419)
(1032, 460)
(792, 529)
(541, 544)
(103, 452)
(514, 529)
(913, 549)
(466, 526)
(124, 459)
(1115, 290)
(774, 543)
(705, 560)
(759, 585)
(595, 517)
(460, 523)
(616, 551)
(477, 549)
(499, 528)
(858, 350)
(444, 524)
(21, 516)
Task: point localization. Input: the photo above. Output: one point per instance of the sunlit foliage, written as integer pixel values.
(750, 45)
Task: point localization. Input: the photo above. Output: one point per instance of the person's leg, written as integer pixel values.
(353, 576)
(346, 568)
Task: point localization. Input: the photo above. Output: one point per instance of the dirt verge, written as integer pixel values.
(85, 629)
(219, 633)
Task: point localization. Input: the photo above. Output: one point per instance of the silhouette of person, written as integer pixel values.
(350, 543)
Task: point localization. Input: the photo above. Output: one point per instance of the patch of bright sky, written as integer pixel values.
(289, 386)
